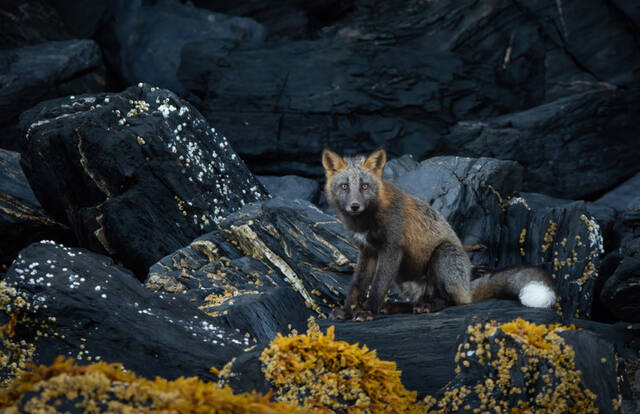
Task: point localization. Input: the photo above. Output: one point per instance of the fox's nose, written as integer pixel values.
(355, 206)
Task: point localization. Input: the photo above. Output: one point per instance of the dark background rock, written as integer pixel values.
(401, 74)
(24, 23)
(22, 219)
(82, 305)
(137, 174)
(587, 139)
(623, 195)
(291, 187)
(35, 73)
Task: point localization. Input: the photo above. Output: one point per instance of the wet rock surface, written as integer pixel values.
(22, 219)
(136, 174)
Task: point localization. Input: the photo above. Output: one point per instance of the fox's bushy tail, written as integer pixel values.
(530, 284)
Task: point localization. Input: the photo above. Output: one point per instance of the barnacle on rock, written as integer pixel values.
(317, 371)
(108, 388)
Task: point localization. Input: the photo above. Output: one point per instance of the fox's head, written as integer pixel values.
(354, 184)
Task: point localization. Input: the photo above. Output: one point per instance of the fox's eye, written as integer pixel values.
(364, 186)
(345, 186)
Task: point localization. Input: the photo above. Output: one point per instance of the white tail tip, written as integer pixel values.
(537, 295)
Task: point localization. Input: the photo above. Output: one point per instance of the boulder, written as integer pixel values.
(79, 304)
(162, 30)
(266, 269)
(35, 73)
(291, 187)
(136, 174)
(575, 147)
(22, 219)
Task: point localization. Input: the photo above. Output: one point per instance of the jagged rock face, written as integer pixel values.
(265, 270)
(586, 139)
(619, 294)
(22, 219)
(47, 70)
(79, 304)
(400, 74)
(136, 174)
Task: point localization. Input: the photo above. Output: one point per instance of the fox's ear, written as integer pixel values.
(332, 162)
(376, 161)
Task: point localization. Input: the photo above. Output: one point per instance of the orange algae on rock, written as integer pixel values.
(102, 387)
(516, 367)
(317, 371)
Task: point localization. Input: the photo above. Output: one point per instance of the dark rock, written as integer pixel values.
(574, 147)
(623, 195)
(29, 23)
(289, 19)
(400, 74)
(136, 174)
(79, 304)
(44, 71)
(620, 292)
(265, 270)
(22, 219)
(291, 187)
(424, 346)
(396, 167)
(162, 29)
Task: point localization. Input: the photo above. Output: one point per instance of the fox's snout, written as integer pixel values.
(355, 207)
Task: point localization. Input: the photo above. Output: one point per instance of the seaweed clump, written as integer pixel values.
(318, 372)
(108, 388)
(515, 367)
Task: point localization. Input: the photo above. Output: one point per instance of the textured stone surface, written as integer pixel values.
(291, 187)
(34, 73)
(22, 219)
(265, 270)
(136, 174)
(80, 304)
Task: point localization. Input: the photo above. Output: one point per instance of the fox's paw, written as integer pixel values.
(421, 309)
(339, 314)
(363, 315)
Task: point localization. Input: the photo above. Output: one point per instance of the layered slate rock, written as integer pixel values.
(619, 294)
(79, 304)
(162, 31)
(573, 147)
(47, 70)
(265, 270)
(425, 349)
(137, 174)
(22, 219)
(401, 73)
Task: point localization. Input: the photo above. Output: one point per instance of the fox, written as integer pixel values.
(401, 239)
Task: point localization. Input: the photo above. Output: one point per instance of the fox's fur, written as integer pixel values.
(402, 240)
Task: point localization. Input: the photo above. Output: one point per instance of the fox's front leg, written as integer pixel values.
(387, 268)
(362, 277)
